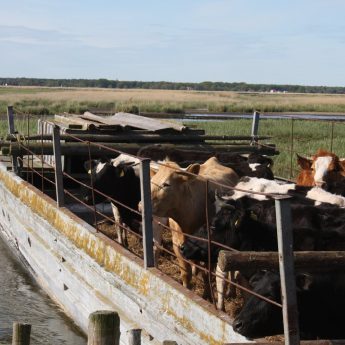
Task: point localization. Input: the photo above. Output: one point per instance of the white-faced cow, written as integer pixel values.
(323, 168)
(182, 196)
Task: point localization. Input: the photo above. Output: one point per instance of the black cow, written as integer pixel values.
(120, 183)
(321, 306)
(250, 225)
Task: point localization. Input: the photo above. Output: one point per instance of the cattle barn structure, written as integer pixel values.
(66, 241)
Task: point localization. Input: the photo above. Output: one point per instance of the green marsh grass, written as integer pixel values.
(309, 136)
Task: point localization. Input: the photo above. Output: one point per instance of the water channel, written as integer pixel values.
(21, 299)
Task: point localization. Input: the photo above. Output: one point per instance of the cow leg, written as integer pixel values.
(207, 294)
(232, 288)
(177, 240)
(157, 230)
(121, 233)
(220, 283)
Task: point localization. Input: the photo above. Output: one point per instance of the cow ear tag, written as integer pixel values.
(237, 223)
(253, 215)
(122, 173)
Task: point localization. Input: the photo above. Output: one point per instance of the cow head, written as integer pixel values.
(258, 317)
(105, 178)
(169, 185)
(324, 167)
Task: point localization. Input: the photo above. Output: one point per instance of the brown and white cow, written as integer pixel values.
(181, 195)
(324, 167)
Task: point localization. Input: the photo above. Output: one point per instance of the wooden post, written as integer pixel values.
(286, 267)
(104, 328)
(11, 131)
(58, 167)
(169, 342)
(255, 127)
(134, 336)
(145, 186)
(21, 333)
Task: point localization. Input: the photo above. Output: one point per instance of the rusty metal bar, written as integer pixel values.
(58, 167)
(209, 265)
(145, 188)
(287, 274)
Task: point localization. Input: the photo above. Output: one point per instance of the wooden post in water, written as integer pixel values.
(286, 268)
(104, 328)
(21, 333)
(255, 127)
(146, 213)
(134, 336)
(58, 167)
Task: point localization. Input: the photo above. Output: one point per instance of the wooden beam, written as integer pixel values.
(81, 148)
(306, 260)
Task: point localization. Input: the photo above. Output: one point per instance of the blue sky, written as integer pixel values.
(254, 41)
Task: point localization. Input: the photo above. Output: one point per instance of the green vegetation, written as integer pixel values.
(308, 137)
(163, 85)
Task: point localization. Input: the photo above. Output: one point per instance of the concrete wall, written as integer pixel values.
(84, 271)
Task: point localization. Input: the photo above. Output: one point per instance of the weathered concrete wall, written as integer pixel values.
(84, 271)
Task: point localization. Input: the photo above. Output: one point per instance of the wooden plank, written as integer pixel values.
(306, 260)
(132, 120)
(72, 120)
(80, 148)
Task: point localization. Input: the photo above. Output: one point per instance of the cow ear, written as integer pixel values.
(191, 170)
(303, 162)
(89, 165)
(342, 164)
(153, 172)
(303, 281)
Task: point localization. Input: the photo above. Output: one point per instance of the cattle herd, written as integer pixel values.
(232, 205)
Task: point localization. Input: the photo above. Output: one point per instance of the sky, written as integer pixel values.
(254, 41)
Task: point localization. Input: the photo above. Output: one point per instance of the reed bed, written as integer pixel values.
(44, 101)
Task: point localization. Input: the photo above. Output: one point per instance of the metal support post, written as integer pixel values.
(146, 212)
(286, 267)
(58, 167)
(11, 130)
(255, 127)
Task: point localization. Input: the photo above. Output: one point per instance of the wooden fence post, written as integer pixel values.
(286, 267)
(146, 212)
(11, 130)
(134, 336)
(21, 333)
(104, 328)
(255, 127)
(58, 167)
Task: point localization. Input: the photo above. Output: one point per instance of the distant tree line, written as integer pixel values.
(163, 85)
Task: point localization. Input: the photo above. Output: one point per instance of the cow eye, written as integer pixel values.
(165, 185)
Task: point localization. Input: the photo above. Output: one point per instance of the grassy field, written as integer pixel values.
(308, 137)
(44, 101)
